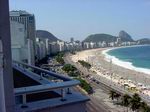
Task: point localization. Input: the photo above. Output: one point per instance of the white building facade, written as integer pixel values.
(18, 46)
(41, 49)
(23, 22)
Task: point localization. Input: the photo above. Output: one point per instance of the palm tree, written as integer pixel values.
(117, 96)
(147, 109)
(112, 94)
(144, 107)
(135, 102)
(126, 99)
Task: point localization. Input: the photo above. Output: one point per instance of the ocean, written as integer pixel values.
(135, 57)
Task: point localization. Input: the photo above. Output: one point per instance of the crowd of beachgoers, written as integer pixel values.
(130, 80)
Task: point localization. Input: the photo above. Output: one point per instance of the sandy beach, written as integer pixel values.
(118, 74)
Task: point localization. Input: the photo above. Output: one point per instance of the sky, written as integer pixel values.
(81, 18)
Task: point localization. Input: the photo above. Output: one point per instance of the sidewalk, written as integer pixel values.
(99, 96)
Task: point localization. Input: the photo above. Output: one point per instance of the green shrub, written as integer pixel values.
(74, 74)
(85, 64)
(60, 59)
(86, 86)
(69, 68)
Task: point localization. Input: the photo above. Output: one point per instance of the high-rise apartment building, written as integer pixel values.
(28, 20)
(72, 39)
(26, 88)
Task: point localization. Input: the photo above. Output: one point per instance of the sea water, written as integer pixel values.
(135, 57)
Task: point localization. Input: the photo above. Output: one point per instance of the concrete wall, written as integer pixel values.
(29, 23)
(6, 77)
(16, 54)
(30, 52)
(17, 33)
(77, 107)
(22, 48)
(18, 41)
(41, 48)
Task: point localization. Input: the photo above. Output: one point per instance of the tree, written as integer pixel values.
(61, 54)
(60, 59)
(112, 94)
(147, 109)
(144, 107)
(85, 64)
(74, 74)
(85, 85)
(117, 96)
(126, 99)
(135, 102)
(69, 68)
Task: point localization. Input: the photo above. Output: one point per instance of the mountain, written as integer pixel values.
(100, 38)
(144, 41)
(46, 34)
(125, 36)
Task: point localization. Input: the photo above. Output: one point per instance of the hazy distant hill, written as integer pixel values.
(125, 36)
(144, 41)
(46, 34)
(100, 38)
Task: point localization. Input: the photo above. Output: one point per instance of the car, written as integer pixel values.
(87, 76)
(94, 79)
(91, 91)
(97, 82)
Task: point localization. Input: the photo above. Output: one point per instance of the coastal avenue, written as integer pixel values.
(104, 84)
(95, 105)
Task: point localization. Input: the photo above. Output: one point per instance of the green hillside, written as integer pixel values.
(100, 38)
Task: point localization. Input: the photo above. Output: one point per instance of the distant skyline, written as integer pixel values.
(80, 18)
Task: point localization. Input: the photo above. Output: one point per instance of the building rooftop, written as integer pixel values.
(37, 89)
(54, 103)
(19, 13)
(21, 80)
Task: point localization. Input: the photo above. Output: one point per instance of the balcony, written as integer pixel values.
(40, 90)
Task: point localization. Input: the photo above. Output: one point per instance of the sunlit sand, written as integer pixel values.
(131, 80)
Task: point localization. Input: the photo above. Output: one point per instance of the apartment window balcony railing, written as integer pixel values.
(62, 84)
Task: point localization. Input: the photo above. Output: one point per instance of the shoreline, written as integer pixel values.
(125, 64)
(120, 75)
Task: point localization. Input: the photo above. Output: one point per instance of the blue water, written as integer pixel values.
(139, 56)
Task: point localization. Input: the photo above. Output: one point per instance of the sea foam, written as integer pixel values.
(121, 63)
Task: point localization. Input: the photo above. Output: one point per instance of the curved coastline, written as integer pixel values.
(120, 74)
(122, 63)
